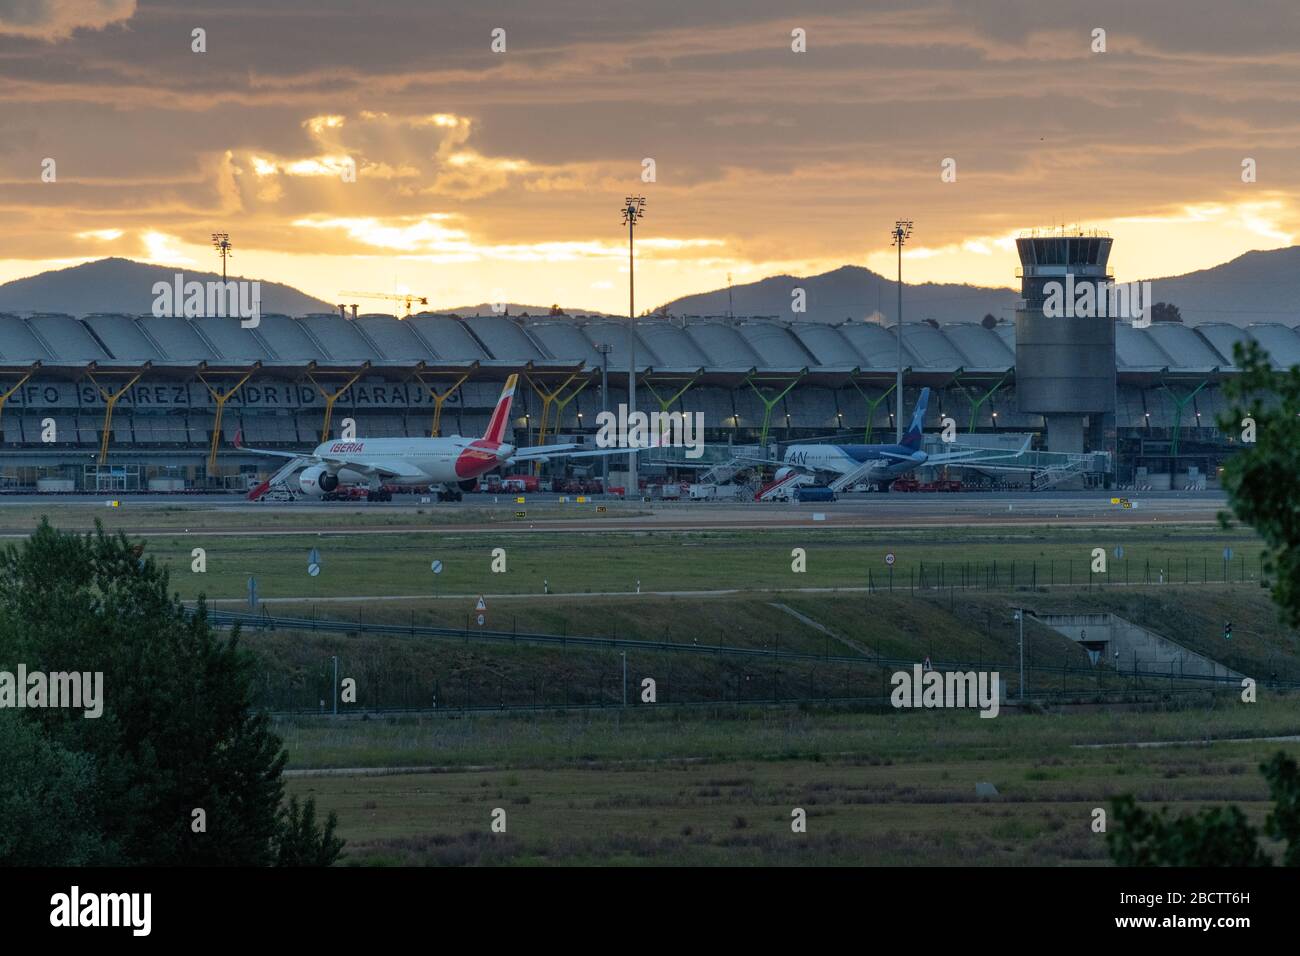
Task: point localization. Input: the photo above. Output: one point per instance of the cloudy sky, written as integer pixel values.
(488, 176)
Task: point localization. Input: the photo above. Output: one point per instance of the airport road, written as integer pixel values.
(238, 517)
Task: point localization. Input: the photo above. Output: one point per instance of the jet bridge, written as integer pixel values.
(1046, 469)
(720, 463)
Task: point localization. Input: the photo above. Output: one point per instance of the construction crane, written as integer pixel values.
(406, 298)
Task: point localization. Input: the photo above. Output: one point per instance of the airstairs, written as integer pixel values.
(851, 478)
(279, 480)
(782, 487)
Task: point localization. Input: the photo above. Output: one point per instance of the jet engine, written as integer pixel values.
(318, 480)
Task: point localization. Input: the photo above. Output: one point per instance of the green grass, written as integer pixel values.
(232, 512)
(974, 629)
(714, 784)
(398, 564)
(891, 789)
(547, 740)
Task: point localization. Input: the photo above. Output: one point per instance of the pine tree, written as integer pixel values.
(1260, 479)
(300, 843)
(179, 732)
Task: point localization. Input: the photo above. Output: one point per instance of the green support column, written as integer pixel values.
(871, 407)
(562, 403)
(768, 405)
(1179, 405)
(976, 405)
(664, 403)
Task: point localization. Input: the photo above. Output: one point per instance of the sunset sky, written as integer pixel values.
(498, 176)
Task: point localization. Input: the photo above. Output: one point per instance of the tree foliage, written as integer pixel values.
(178, 732)
(1261, 478)
(301, 842)
(1216, 837)
(1166, 312)
(1263, 493)
(1283, 822)
(46, 795)
(1220, 836)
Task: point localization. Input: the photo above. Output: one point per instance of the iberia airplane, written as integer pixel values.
(454, 462)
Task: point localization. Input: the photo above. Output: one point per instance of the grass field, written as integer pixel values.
(717, 782)
(976, 629)
(397, 564)
(896, 788)
(718, 786)
(132, 516)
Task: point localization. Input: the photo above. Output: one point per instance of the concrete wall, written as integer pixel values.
(1135, 645)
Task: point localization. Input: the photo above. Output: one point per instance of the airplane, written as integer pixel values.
(874, 464)
(455, 462)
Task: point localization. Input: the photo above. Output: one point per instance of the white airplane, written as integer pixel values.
(454, 462)
(846, 465)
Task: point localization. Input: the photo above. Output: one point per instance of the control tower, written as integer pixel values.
(1065, 337)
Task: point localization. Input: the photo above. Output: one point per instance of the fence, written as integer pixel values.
(1054, 574)
(606, 671)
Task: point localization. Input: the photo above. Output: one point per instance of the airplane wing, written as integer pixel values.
(975, 455)
(239, 443)
(533, 452)
(766, 461)
(547, 452)
(378, 467)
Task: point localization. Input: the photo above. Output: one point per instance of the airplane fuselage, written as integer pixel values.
(843, 459)
(439, 460)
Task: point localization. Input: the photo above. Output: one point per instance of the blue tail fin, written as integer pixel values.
(913, 437)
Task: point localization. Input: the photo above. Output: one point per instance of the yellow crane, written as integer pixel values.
(405, 298)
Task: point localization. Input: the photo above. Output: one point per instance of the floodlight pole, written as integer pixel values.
(604, 348)
(633, 210)
(221, 242)
(902, 232)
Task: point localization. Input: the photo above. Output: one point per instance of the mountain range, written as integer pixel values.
(126, 286)
(1254, 287)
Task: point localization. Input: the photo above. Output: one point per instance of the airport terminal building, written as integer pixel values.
(130, 402)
